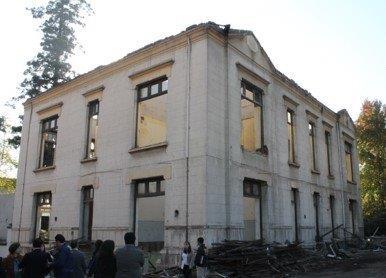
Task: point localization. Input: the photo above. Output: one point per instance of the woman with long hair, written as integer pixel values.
(92, 264)
(186, 259)
(106, 265)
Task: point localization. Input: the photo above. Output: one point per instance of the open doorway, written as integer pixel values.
(252, 202)
(43, 215)
(87, 212)
(150, 214)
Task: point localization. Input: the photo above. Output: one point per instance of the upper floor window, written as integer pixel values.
(327, 136)
(251, 117)
(92, 128)
(291, 135)
(348, 158)
(311, 134)
(48, 141)
(151, 113)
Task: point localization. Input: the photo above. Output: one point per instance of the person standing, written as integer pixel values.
(106, 265)
(186, 259)
(79, 260)
(63, 264)
(12, 261)
(95, 254)
(130, 259)
(35, 263)
(201, 259)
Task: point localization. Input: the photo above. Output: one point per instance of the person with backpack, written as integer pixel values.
(201, 259)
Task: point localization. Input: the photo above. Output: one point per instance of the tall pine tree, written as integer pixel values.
(50, 66)
(371, 134)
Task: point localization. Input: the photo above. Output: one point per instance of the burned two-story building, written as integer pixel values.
(197, 134)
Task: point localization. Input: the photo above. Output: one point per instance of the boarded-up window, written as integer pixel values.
(311, 134)
(151, 113)
(348, 158)
(251, 117)
(291, 135)
(328, 151)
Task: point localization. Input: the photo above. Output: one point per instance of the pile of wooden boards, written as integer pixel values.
(255, 259)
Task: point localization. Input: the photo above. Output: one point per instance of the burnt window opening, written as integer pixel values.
(348, 160)
(327, 135)
(92, 128)
(150, 188)
(49, 132)
(151, 113)
(291, 135)
(43, 214)
(252, 135)
(311, 133)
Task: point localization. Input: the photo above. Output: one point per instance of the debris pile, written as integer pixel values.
(254, 259)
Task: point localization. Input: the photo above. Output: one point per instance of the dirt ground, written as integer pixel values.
(368, 270)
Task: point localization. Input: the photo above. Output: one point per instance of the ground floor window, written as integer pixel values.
(43, 214)
(150, 214)
(87, 212)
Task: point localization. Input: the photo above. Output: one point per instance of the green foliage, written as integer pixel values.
(371, 134)
(7, 185)
(7, 163)
(50, 66)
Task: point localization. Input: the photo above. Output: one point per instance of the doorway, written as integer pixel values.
(253, 224)
(43, 214)
(150, 214)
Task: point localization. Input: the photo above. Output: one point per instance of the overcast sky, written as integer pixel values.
(334, 49)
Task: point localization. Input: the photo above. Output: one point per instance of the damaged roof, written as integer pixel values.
(208, 25)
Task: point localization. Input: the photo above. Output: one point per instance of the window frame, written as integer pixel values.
(257, 101)
(327, 140)
(158, 192)
(42, 132)
(251, 183)
(311, 134)
(292, 125)
(139, 99)
(89, 104)
(348, 150)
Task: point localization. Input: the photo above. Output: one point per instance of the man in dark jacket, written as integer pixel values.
(35, 263)
(63, 264)
(79, 260)
(130, 259)
(201, 259)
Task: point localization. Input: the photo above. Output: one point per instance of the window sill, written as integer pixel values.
(293, 164)
(316, 172)
(331, 177)
(352, 182)
(42, 169)
(86, 160)
(259, 152)
(150, 147)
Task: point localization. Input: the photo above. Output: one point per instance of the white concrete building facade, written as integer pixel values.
(197, 134)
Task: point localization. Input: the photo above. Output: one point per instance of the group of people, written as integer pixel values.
(67, 261)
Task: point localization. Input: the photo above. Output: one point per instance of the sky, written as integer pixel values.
(334, 49)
